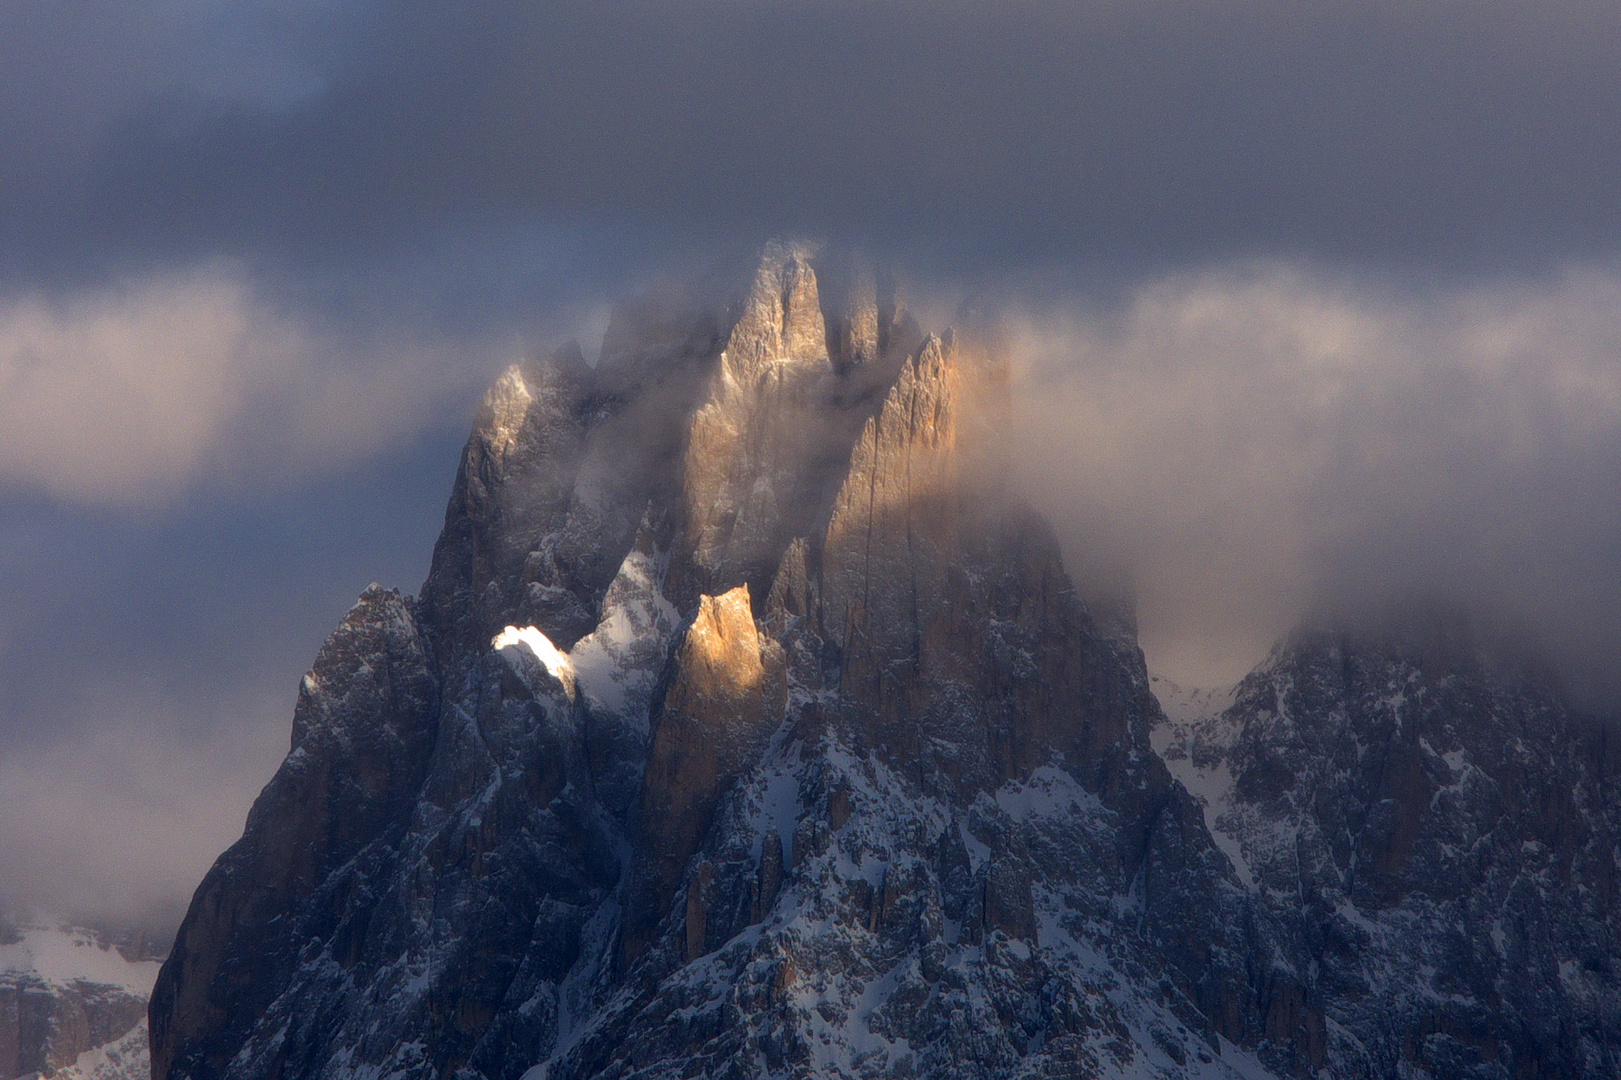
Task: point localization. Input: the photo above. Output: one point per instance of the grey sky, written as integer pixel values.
(1303, 294)
(1001, 132)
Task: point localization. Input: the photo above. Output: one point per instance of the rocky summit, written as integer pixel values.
(747, 725)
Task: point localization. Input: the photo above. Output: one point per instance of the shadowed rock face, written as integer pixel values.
(363, 734)
(513, 489)
(1451, 864)
(747, 725)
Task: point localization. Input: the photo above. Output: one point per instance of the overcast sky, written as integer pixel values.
(1305, 297)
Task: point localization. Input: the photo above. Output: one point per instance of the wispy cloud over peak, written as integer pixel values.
(1250, 440)
(130, 393)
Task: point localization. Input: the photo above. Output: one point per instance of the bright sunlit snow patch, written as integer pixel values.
(513, 641)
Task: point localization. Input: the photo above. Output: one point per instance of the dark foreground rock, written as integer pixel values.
(1436, 835)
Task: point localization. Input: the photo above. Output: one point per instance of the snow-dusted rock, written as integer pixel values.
(72, 1004)
(1436, 835)
(748, 726)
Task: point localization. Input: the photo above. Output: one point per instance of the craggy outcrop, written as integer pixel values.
(512, 489)
(749, 725)
(1436, 834)
(726, 695)
(749, 470)
(363, 734)
(67, 991)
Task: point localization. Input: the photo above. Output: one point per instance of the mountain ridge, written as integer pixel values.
(73, 1000)
(749, 724)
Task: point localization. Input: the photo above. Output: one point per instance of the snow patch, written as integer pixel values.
(618, 664)
(126, 1058)
(513, 642)
(774, 807)
(1194, 742)
(61, 956)
(1048, 792)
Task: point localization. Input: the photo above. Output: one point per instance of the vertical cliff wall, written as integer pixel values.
(749, 725)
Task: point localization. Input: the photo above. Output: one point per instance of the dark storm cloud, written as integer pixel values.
(999, 131)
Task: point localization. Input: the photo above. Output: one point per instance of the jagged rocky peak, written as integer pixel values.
(864, 310)
(781, 321)
(512, 489)
(1390, 714)
(856, 332)
(894, 513)
(1435, 832)
(364, 727)
(726, 695)
(748, 726)
(923, 564)
(752, 449)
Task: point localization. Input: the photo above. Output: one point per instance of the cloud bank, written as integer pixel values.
(1248, 442)
(120, 822)
(1239, 443)
(1316, 300)
(131, 393)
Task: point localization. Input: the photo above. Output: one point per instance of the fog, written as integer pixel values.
(1244, 444)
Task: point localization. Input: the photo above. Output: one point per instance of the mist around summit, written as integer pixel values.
(1230, 449)
(748, 720)
(1309, 313)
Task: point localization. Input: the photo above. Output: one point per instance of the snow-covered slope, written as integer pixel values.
(1435, 837)
(1193, 740)
(62, 956)
(71, 1005)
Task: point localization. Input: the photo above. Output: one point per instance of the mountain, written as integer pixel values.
(1435, 834)
(73, 1002)
(747, 724)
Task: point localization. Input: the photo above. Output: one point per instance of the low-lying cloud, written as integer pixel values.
(257, 259)
(1247, 442)
(1237, 443)
(127, 394)
(120, 821)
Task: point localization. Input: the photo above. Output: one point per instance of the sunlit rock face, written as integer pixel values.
(724, 700)
(753, 448)
(749, 725)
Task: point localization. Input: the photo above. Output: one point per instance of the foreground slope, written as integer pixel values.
(745, 726)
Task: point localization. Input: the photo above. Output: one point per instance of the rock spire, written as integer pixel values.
(749, 725)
